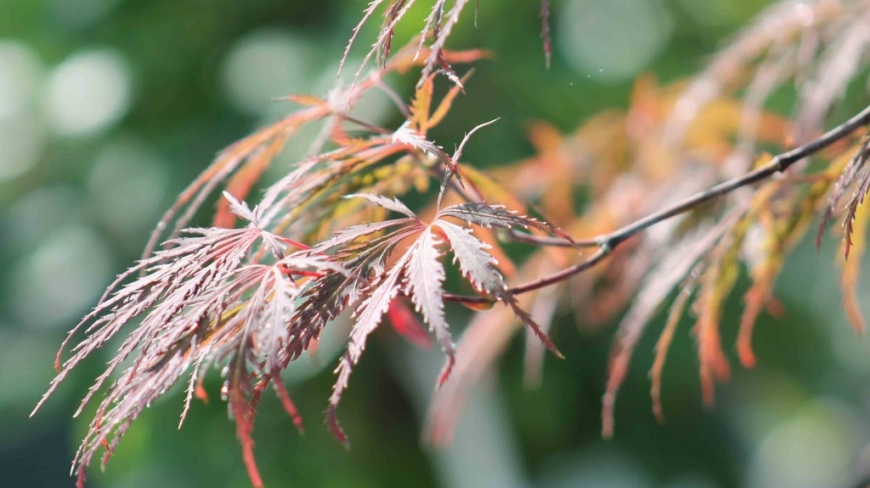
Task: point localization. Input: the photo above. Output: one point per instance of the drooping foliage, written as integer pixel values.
(682, 201)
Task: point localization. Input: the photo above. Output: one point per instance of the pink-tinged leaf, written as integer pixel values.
(392, 204)
(193, 386)
(476, 264)
(529, 322)
(433, 20)
(852, 210)
(240, 209)
(347, 236)
(286, 402)
(425, 278)
(276, 311)
(545, 32)
(407, 135)
(448, 71)
(197, 264)
(243, 414)
(844, 182)
(457, 156)
(440, 38)
(489, 216)
(335, 427)
(543, 308)
(192, 198)
(406, 324)
(199, 302)
(366, 15)
(393, 15)
(504, 264)
(367, 319)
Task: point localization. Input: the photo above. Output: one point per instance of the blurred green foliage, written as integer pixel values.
(186, 72)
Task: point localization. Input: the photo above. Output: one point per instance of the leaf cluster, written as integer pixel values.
(681, 202)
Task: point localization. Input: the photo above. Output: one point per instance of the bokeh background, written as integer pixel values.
(108, 108)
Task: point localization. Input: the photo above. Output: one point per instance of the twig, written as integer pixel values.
(521, 236)
(606, 243)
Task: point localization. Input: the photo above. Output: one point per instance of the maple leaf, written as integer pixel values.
(425, 280)
(200, 302)
(255, 298)
(419, 274)
(489, 216)
(845, 181)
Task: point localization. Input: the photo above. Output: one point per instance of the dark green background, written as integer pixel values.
(799, 419)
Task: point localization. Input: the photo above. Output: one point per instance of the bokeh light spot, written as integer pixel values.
(127, 186)
(63, 276)
(88, 93)
(20, 76)
(814, 448)
(22, 142)
(613, 40)
(265, 65)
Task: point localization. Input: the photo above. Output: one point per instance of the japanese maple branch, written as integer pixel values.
(606, 243)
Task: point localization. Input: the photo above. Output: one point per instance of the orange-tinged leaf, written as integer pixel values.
(446, 102)
(200, 390)
(227, 161)
(307, 100)
(243, 180)
(481, 306)
(764, 273)
(756, 298)
(491, 190)
(845, 170)
(717, 282)
(656, 287)
(662, 346)
(421, 105)
(546, 138)
(852, 268)
(465, 56)
(713, 364)
(648, 106)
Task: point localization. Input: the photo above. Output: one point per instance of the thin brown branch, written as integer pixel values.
(778, 164)
(606, 243)
(554, 278)
(527, 238)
